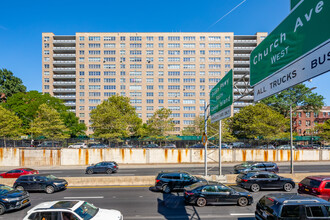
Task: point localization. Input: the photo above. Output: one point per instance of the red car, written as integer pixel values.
(316, 185)
(18, 172)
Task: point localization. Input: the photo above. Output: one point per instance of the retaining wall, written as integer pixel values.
(63, 157)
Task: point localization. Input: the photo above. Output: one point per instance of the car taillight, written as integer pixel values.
(244, 180)
(157, 181)
(115, 166)
(316, 190)
(300, 185)
(189, 193)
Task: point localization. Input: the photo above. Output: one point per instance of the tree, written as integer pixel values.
(307, 101)
(9, 84)
(115, 118)
(198, 127)
(10, 124)
(259, 121)
(26, 105)
(71, 121)
(324, 130)
(49, 124)
(160, 124)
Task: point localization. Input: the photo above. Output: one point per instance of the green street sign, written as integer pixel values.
(221, 98)
(301, 33)
(293, 3)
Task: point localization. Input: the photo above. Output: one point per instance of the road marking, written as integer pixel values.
(126, 174)
(90, 197)
(101, 187)
(241, 214)
(122, 170)
(46, 172)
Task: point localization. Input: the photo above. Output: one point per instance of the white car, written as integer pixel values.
(71, 210)
(78, 145)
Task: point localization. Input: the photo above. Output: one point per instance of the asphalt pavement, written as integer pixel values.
(142, 203)
(152, 170)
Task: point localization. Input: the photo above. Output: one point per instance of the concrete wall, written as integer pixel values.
(48, 157)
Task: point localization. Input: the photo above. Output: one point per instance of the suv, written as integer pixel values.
(37, 182)
(256, 166)
(169, 181)
(49, 144)
(71, 210)
(103, 167)
(11, 199)
(316, 185)
(291, 206)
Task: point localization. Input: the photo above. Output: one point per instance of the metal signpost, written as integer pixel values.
(297, 50)
(221, 100)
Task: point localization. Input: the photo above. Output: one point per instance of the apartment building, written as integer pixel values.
(304, 122)
(155, 70)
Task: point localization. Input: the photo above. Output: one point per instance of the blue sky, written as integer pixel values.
(22, 23)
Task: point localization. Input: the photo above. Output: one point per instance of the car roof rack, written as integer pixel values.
(301, 201)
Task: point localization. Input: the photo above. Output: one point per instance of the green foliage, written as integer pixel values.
(115, 118)
(72, 123)
(297, 95)
(26, 105)
(160, 124)
(198, 127)
(49, 124)
(10, 124)
(324, 130)
(259, 121)
(10, 84)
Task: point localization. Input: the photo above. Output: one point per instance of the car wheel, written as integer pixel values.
(90, 171)
(287, 187)
(20, 188)
(242, 201)
(50, 189)
(2, 209)
(166, 189)
(200, 202)
(109, 171)
(255, 187)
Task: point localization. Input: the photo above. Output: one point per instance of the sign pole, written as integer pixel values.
(205, 146)
(220, 149)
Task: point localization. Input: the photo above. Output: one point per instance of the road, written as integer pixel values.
(196, 170)
(142, 203)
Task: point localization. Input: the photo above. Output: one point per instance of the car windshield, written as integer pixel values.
(246, 164)
(86, 211)
(5, 189)
(51, 177)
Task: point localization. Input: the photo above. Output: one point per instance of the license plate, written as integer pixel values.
(66, 185)
(307, 190)
(25, 201)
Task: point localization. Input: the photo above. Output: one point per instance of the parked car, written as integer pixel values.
(289, 206)
(170, 181)
(237, 145)
(78, 145)
(49, 144)
(256, 166)
(151, 146)
(71, 210)
(197, 146)
(18, 172)
(169, 146)
(316, 185)
(103, 167)
(256, 181)
(285, 147)
(11, 199)
(40, 182)
(213, 193)
(98, 146)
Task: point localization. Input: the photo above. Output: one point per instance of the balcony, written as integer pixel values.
(243, 91)
(240, 83)
(64, 69)
(64, 48)
(240, 76)
(245, 41)
(67, 97)
(65, 90)
(241, 69)
(68, 76)
(245, 98)
(64, 41)
(244, 48)
(242, 62)
(64, 55)
(64, 62)
(70, 104)
(241, 55)
(65, 83)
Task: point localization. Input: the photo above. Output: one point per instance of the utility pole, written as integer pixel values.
(205, 131)
(220, 149)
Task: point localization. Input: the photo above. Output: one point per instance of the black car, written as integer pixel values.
(170, 181)
(40, 182)
(103, 167)
(11, 199)
(256, 166)
(289, 206)
(213, 193)
(255, 181)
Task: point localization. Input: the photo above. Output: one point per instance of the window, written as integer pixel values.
(227, 38)
(299, 114)
(150, 87)
(188, 122)
(202, 52)
(160, 38)
(308, 123)
(214, 52)
(46, 59)
(174, 87)
(81, 52)
(189, 66)
(161, 80)
(109, 52)
(172, 101)
(227, 52)
(95, 66)
(109, 80)
(46, 38)
(161, 45)
(202, 80)
(161, 87)
(150, 101)
(173, 66)
(46, 73)
(46, 45)
(93, 59)
(46, 66)
(150, 45)
(189, 94)
(46, 87)
(189, 73)
(94, 38)
(314, 211)
(189, 52)
(227, 66)
(174, 52)
(214, 45)
(214, 38)
(189, 38)
(81, 59)
(94, 52)
(135, 38)
(173, 38)
(308, 114)
(214, 59)
(189, 59)
(109, 38)
(94, 45)
(189, 101)
(173, 59)
(81, 38)
(46, 52)
(150, 52)
(214, 80)
(227, 45)
(135, 87)
(94, 80)
(191, 45)
(122, 52)
(189, 80)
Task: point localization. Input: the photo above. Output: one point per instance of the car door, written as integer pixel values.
(274, 181)
(97, 168)
(177, 181)
(186, 179)
(210, 193)
(10, 174)
(262, 180)
(223, 195)
(69, 216)
(17, 173)
(260, 167)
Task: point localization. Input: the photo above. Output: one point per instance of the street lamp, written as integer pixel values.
(291, 135)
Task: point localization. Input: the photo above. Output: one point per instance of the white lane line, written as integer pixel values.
(127, 170)
(241, 214)
(90, 197)
(41, 172)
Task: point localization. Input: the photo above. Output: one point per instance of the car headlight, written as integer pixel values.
(10, 199)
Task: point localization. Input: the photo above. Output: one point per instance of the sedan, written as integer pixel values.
(18, 172)
(12, 199)
(78, 145)
(256, 181)
(103, 167)
(214, 193)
